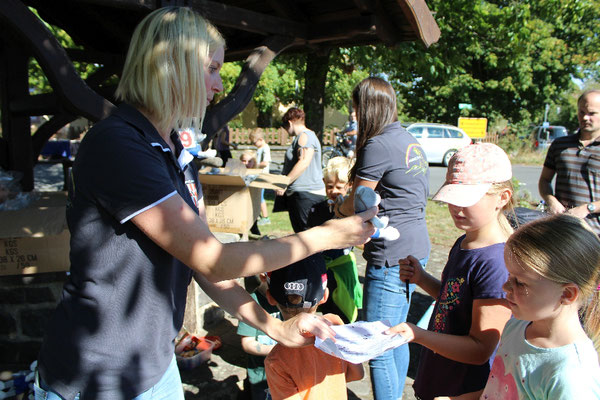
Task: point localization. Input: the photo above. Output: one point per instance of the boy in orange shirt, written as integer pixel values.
(305, 373)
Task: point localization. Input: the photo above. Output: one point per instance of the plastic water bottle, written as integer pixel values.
(541, 206)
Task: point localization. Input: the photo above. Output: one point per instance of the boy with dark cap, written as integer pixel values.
(306, 372)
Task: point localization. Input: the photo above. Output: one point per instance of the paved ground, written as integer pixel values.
(222, 377)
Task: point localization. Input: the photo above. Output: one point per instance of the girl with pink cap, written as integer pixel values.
(470, 310)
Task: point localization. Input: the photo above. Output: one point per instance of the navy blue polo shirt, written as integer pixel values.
(112, 335)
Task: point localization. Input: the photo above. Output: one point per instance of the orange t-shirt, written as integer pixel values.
(305, 373)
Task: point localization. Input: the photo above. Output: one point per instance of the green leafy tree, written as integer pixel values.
(506, 58)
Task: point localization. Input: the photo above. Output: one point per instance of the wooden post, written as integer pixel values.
(14, 84)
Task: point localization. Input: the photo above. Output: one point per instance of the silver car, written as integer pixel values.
(439, 141)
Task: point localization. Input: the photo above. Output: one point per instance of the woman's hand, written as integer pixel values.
(301, 330)
(411, 270)
(350, 231)
(406, 329)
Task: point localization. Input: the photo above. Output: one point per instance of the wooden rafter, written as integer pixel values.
(74, 95)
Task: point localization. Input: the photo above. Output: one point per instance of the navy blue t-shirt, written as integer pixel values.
(112, 335)
(396, 160)
(468, 275)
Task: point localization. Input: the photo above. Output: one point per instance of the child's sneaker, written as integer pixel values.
(264, 221)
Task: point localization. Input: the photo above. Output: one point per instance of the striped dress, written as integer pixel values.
(577, 170)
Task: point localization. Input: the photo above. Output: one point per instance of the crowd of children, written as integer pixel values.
(507, 321)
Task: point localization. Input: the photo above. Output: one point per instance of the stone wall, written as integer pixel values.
(26, 305)
(28, 302)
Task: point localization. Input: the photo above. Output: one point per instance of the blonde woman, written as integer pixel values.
(139, 232)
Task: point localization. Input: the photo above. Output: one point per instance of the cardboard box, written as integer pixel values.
(35, 239)
(231, 205)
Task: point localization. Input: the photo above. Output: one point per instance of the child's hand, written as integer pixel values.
(334, 319)
(301, 330)
(411, 270)
(406, 329)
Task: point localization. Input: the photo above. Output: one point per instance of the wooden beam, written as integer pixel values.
(96, 57)
(288, 9)
(365, 6)
(243, 90)
(249, 21)
(421, 20)
(75, 96)
(358, 26)
(14, 83)
(47, 129)
(39, 104)
(223, 15)
(125, 4)
(49, 103)
(386, 30)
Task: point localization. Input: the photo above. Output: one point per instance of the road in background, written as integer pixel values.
(527, 175)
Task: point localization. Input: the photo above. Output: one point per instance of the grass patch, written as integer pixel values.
(440, 224)
(527, 157)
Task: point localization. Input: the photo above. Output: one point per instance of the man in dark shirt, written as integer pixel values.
(575, 160)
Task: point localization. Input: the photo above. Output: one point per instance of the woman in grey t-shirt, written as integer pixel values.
(302, 165)
(391, 162)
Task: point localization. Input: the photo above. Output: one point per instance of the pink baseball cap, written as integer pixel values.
(471, 173)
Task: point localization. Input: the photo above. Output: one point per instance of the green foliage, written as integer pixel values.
(507, 58)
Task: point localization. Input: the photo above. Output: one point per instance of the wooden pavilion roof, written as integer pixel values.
(104, 27)
(255, 30)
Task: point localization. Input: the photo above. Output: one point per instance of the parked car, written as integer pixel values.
(439, 142)
(542, 136)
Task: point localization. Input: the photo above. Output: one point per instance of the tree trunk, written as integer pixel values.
(317, 65)
(264, 119)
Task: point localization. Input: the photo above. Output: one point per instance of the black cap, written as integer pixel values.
(306, 278)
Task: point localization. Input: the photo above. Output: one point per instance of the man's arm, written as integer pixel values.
(546, 192)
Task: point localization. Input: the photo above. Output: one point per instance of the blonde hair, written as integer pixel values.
(509, 207)
(251, 154)
(563, 249)
(255, 135)
(164, 69)
(338, 168)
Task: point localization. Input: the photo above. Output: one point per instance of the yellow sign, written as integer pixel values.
(474, 127)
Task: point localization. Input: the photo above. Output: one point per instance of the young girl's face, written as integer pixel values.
(247, 161)
(334, 187)
(530, 296)
(477, 216)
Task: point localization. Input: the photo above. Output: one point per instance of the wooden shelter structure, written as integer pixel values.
(255, 30)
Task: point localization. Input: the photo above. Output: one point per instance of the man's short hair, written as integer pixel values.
(586, 93)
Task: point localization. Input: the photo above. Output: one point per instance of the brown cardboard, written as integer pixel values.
(231, 206)
(35, 239)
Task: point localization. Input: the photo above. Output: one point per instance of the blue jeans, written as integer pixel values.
(169, 387)
(385, 299)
